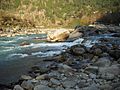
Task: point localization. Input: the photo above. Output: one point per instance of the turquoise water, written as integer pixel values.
(13, 45)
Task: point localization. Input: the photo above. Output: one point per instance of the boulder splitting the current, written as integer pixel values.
(58, 35)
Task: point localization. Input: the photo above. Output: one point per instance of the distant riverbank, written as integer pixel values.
(9, 32)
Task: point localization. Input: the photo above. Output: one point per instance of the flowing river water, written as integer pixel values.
(19, 53)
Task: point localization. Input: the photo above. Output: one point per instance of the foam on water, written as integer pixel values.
(47, 49)
(46, 54)
(17, 55)
(12, 46)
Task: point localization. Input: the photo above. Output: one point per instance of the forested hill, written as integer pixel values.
(57, 13)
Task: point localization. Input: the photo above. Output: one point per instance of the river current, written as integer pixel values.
(19, 53)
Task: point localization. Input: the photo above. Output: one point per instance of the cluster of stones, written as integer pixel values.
(79, 68)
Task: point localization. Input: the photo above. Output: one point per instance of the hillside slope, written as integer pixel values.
(57, 13)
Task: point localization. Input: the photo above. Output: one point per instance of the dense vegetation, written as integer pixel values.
(53, 13)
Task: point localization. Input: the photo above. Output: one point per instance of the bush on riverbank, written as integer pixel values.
(57, 13)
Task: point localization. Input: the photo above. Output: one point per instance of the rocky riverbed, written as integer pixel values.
(78, 68)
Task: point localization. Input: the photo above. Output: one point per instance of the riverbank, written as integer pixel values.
(10, 32)
(80, 67)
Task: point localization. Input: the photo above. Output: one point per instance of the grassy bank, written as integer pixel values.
(55, 13)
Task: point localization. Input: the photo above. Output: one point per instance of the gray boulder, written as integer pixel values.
(103, 62)
(74, 35)
(42, 87)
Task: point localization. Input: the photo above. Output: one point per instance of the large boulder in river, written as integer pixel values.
(58, 35)
(75, 35)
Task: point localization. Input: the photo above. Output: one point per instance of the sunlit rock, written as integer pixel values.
(58, 35)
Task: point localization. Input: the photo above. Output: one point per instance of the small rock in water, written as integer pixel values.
(105, 87)
(55, 81)
(103, 62)
(42, 87)
(59, 88)
(25, 77)
(69, 83)
(74, 35)
(92, 76)
(108, 76)
(78, 50)
(114, 69)
(65, 67)
(97, 51)
(82, 84)
(18, 87)
(42, 77)
(69, 89)
(92, 69)
(24, 43)
(91, 87)
(27, 85)
(115, 53)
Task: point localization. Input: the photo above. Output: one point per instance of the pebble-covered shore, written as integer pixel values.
(10, 32)
(79, 68)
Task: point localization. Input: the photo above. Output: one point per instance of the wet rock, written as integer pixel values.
(84, 76)
(115, 53)
(92, 69)
(55, 74)
(114, 69)
(116, 35)
(68, 58)
(26, 77)
(94, 59)
(24, 43)
(40, 69)
(69, 89)
(55, 81)
(97, 51)
(91, 87)
(108, 76)
(42, 77)
(103, 62)
(118, 88)
(92, 76)
(42, 87)
(78, 50)
(88, 56)
(104, 55)
(69, 83)
(115, 85)
(59, 88)
(58, 35)
(27, 85)
(118, 60)
(74, 35)
(105, 87)
(82, 84)
(104, 48)
(64, 67)
(18, 87)
(42, 82)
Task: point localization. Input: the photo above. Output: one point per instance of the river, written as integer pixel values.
(19, 53)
